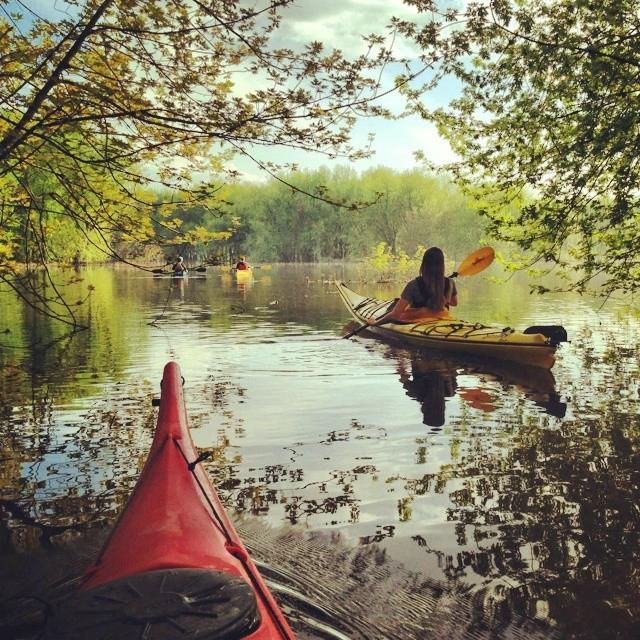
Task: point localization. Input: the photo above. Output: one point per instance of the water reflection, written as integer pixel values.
(429, 381)
(552, 518)
(430, 378)
(516, 491)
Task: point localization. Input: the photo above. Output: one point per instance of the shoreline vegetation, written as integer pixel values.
(268, 222)
(107, 150)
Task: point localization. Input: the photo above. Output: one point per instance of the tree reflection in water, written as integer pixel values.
(518, 493)
(552, 520)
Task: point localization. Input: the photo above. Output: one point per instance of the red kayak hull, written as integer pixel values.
(174, 518)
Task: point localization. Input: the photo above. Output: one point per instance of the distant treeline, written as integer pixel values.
(274, 222)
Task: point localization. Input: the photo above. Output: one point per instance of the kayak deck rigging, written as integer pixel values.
(535, 348)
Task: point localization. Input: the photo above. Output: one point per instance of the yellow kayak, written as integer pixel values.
(536, 349)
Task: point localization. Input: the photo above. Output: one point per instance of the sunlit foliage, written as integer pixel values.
(547, 108)
(113, 96)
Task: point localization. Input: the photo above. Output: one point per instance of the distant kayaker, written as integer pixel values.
(179, 266)
(241, 265)
(428, 296)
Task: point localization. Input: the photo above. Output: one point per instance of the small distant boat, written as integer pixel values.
(171, 274)
(194, 273)
(173, 566)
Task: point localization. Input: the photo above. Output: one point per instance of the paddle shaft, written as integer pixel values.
(357, 331)
(198, 269)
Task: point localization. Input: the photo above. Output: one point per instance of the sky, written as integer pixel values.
(341, 24)
(338, 24)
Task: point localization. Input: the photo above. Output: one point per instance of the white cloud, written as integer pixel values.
(397, 141)
(425, 138)
(341, 24)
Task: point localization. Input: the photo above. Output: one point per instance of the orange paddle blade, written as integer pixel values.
(476, 262)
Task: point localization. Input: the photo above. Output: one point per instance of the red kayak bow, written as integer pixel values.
(173, 566)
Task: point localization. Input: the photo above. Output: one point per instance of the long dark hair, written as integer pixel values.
(432, 274)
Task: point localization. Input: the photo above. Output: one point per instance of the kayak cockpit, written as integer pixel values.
(171, 603)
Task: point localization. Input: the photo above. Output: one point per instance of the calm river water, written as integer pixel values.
(386, 493)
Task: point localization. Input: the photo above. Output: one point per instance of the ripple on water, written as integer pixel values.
(508, 495)
(327, 590)
(362, 593)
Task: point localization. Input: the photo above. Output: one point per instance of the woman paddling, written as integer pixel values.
(428, 296)
(179, 266)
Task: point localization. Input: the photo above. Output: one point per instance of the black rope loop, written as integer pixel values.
(205, 455)
(453, 328)
(362, 304)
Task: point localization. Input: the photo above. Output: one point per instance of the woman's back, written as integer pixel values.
(428, 296)
(417, 295)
